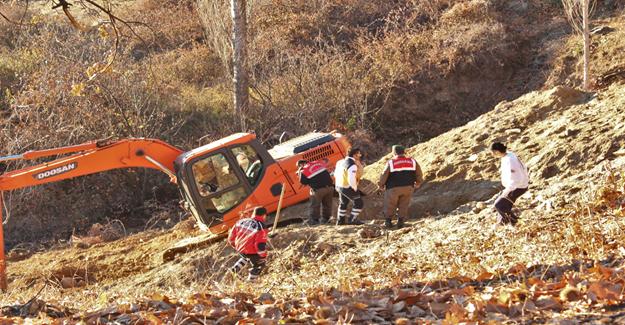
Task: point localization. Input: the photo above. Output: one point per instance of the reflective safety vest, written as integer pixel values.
(400, 164)
(403, 172)
(345, 173)
(249, 236)
(313, 169)
(316, 175)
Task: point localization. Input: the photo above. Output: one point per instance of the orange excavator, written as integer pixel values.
(219, 182)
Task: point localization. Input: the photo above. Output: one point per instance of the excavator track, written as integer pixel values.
(193, 243)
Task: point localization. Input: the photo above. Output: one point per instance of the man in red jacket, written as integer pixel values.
(249, 238)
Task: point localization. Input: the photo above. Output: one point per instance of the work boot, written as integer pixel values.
(340, 221)
(388, 223)
(400, 223)
(355, 222)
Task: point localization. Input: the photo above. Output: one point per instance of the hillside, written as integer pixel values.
(379, 71)
(572, 142)
(563, 263)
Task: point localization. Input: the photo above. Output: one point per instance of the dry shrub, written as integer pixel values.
(313, 89)
(9, 31)
(166, 25)
(430, 10)
(310, 23)
(473, 10)
(197, 66)
(462, 47)
(69, 99)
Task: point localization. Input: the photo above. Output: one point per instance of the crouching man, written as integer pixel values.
(249, 238)
(514, 178)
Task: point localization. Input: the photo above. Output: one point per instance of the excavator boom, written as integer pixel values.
(88, 158)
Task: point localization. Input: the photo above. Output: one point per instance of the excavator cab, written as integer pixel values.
(216, 178)
(226, 179)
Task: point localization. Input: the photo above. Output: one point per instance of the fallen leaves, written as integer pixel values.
(605, 291)
(451, 301)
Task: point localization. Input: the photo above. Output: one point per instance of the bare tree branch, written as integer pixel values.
(21, 22)
(113, 19)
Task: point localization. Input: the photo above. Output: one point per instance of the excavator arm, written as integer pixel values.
(87, 158)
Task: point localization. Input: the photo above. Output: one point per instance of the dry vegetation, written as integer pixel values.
(564, 260)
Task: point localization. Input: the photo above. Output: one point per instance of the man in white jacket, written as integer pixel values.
(346, 182)
(515, 179)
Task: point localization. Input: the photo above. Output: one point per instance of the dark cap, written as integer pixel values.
(399, 149)
(259, 211)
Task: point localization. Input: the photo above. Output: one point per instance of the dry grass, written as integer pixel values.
(548, 257)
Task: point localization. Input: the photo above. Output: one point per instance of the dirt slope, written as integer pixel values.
(559, 133)
(565, 136)
(573, 142)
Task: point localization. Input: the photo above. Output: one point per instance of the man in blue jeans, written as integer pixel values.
(514, 178)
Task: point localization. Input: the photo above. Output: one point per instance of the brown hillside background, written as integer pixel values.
(446, 78)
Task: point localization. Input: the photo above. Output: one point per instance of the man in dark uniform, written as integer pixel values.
(400, 177)
(315, 174)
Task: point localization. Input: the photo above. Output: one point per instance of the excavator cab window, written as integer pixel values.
(249, 163)
(218, 184)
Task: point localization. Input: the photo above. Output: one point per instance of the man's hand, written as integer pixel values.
(417, 185)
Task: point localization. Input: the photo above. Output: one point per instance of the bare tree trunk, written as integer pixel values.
(239, 37)
(586, 32)
(578, 13)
